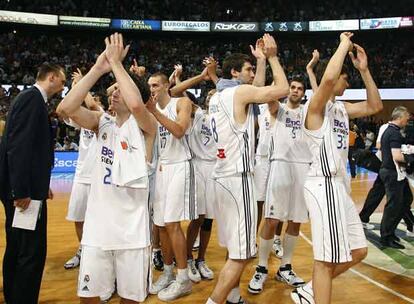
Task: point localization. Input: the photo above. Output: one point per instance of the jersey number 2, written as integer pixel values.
(107, 177)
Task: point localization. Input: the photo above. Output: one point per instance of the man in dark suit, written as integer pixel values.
(26, 160)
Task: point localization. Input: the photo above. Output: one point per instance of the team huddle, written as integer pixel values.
(158, 159)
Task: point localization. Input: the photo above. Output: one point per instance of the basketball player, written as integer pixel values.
(175, 199)
(116, 231)
(338, 237)
(289, 164)
(232, 124)
(82, 180)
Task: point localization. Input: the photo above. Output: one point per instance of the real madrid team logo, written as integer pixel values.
(104, 136)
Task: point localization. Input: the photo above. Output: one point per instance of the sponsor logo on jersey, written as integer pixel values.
(107, 155)
(290, 123)
(221, 154)
(340, 127)
(163, 131)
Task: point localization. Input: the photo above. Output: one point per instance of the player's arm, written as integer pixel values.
(373, 104)
(89, 100)
(115, 53)
(309, 70)
(315, 113)
(211, 65)
(258, 53)
(71, 107)
(179, 126)
(180, 87)
(246, 94)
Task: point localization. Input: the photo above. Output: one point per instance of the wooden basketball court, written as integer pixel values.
(363, 284)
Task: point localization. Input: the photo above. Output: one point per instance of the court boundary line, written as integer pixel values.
(372, 281)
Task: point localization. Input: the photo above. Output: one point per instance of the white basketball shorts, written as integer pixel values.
(284, 199)
(99, 269)
(236, 215)
(261, 175)
(205, 187)
(175, 193)
(336, 226)
(78, 202)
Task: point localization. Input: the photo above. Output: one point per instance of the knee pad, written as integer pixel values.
(207, 224)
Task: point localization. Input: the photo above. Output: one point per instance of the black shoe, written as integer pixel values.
(392, 244)
(157, 260)
(395, 238)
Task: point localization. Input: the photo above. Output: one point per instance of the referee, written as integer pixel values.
(399, 196)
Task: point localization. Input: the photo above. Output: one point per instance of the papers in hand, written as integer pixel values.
(27, 219)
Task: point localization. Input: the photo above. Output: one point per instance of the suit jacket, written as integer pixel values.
(26, 150)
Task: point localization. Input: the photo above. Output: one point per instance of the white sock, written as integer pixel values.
(265, 247)
(289, 243)
(234, 295)
(210, 301)
(182, 275)
(277, 237)
(156, 249)
(168, 269)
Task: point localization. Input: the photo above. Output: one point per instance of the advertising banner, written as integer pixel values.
(235, 27)
(386, 23)
(65, 162)
(141, 25)
(334, 25)
(186, 26)
(299, 26)
(84, 21)
(28, 18)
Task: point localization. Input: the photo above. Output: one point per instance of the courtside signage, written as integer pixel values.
(235, 27)
(186, 26)
(28, 18)
(141, 25)
(65, 162)
(299, 26)
(334, 25)
(386, 23)
(84, 21)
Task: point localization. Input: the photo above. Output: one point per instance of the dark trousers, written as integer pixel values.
(24, 259)
(374, 198)
(352, 163)
(399, 199)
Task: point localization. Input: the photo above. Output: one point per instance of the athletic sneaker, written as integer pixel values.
(241, 301)
(105, 299)
(75, 261)
(302, 295)
(368, 226)
(257, 282)
(175, 290)
(157, 260)
(277, 248)
(287, 275)
(163, 281)
(193, 273)
(205, 272)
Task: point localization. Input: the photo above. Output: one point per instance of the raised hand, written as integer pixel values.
(76, 76)
(136, 69)
(346, 37)
(314, 60)
(152, 103)
(270, 46)
(211, 65)
(115, 51)
(178, 71)
(258, 50)
(102, 64)
(360, 62)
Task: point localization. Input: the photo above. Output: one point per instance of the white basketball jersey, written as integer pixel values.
(329, 144)
(234, 142)
(116, 217)
(171, 149)
(287, 140)
(86, 156)
(265, 127)
(200, 137)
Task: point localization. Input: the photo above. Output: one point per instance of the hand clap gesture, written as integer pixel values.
(115, 51)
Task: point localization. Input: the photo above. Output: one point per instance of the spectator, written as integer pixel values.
(69, 145)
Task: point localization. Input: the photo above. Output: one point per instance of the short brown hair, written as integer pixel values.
(163, 77)
(47, 68)
(234, 61)
(300, 80)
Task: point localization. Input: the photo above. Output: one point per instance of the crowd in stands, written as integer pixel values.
(391, 63)
(232, 10)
